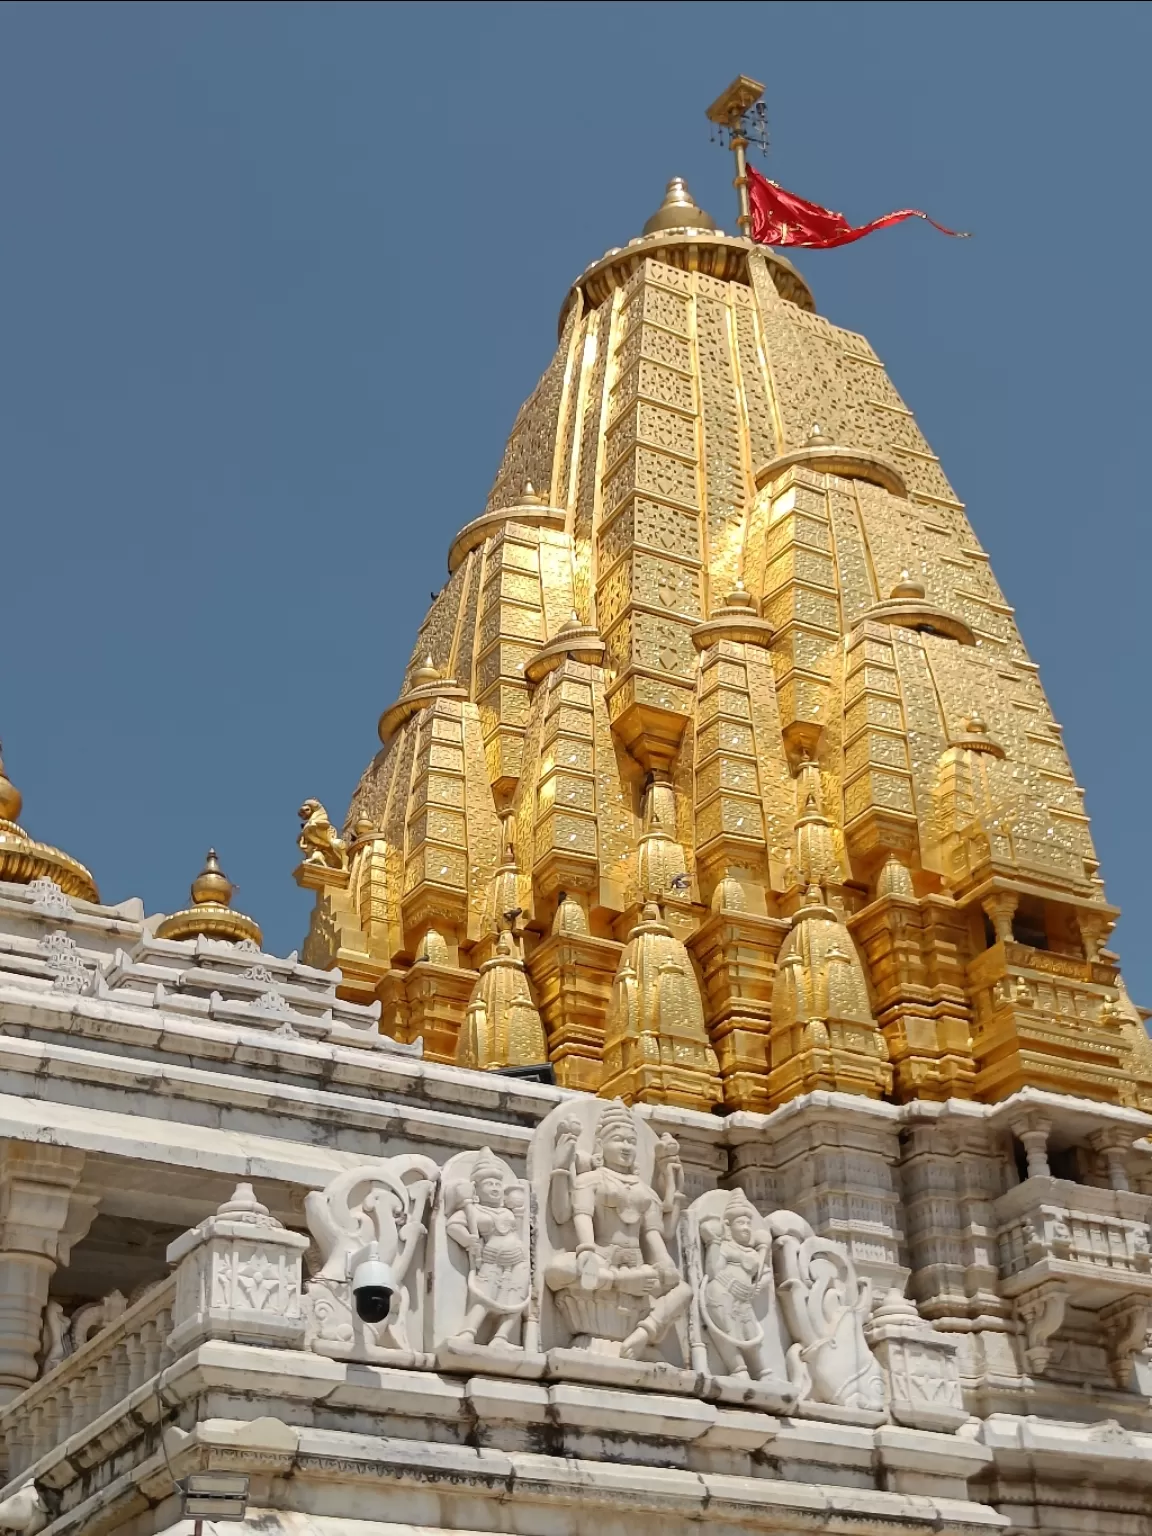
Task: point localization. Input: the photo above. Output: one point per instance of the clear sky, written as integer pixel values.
(276, 279)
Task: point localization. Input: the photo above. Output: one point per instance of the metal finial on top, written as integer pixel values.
(730, 112)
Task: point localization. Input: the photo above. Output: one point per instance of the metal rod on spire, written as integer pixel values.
(728, 110)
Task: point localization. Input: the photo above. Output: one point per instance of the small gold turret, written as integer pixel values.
(656, 1046)
(210, 913)
(502, 1027)
(678, 211)
(23, 859)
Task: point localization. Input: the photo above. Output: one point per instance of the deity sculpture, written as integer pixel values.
(319, 841)
(615, 1283)
(382, 1204)
(487, 1217)
(737, 1269)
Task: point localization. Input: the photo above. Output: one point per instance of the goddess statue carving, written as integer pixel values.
(486, 1218)
(383, 1203)
(615, 1284)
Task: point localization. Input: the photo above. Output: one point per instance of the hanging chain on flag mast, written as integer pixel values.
(730, 112)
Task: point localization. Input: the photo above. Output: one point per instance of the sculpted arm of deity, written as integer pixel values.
(564, 1170)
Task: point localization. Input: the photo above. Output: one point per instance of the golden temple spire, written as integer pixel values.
(210, 913)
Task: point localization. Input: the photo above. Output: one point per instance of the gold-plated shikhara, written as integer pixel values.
(719, 771)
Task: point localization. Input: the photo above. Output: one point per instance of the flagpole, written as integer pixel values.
(728, 112)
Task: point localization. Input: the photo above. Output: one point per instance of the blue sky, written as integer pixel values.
(276, 279)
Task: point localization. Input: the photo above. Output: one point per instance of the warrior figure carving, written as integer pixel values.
(737, 1267)
(487, 1217)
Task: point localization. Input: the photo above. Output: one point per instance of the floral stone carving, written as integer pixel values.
(737, 1333)
(481, 1268)
(825, 1305)
(610, 1195)
(382, 1203)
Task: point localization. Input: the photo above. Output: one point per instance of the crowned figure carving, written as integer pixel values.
(482, 1273)
(736, 1330)
(613, 1193)
(376, 1210)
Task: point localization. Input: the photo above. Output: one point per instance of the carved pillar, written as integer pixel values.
(427, 1002)
(1114, 1145)
(951, 1172)
(835, 1165)
(648, 575)
(1032, 1132)
(913, 950)
(41, 1217)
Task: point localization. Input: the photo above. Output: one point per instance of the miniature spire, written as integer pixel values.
(678, 211)
(210, 914)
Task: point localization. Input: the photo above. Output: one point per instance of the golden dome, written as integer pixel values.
(11, 799)
(23, 859)
(678, 211)
(210, 913)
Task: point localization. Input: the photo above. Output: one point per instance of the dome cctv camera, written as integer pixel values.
(373, 1286)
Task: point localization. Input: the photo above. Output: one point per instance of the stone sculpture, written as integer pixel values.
(736, 1332)
(613, 1195)
(385, 1204)
(482, 1272)
(825, 1305)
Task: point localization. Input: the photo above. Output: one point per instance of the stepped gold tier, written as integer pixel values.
(723, 640)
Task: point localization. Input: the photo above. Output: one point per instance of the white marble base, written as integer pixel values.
(611, 1371)
(457, 1357)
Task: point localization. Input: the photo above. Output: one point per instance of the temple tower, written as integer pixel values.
(725, 654)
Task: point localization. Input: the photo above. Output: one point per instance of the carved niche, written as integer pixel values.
(483, 1315)
(612, 1299)
(736, 1331)
(385, 1203)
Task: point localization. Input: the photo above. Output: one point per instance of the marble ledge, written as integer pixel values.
(237, 1377)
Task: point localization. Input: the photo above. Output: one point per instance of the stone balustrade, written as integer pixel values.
(1047, 1219)
(87, 1384)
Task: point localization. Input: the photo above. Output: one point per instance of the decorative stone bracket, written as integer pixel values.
(1042, 1312)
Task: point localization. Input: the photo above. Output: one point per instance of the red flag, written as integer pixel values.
(782, 218)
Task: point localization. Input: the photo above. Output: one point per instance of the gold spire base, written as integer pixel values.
(210, 921)
(23, 859)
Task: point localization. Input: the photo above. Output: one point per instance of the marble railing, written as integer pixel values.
(1054, 1219)
(102, 1372)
